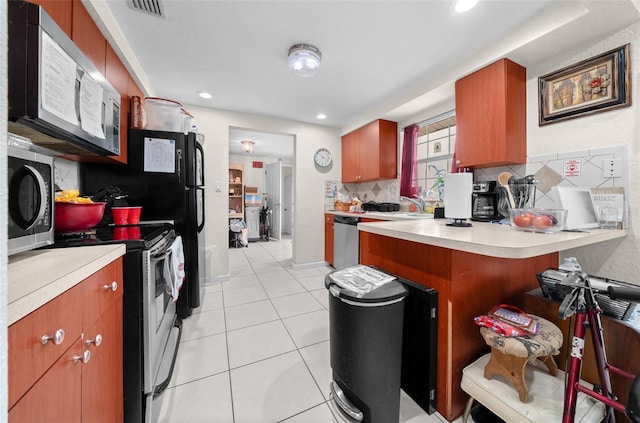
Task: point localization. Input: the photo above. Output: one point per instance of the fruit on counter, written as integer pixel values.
(542, 221)
(71, 196)
(524, 220)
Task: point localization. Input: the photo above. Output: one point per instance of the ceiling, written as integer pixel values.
(380, 59)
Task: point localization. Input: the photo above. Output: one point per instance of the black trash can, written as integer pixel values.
(366, 343)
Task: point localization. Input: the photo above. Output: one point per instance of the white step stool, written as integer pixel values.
(546, 396)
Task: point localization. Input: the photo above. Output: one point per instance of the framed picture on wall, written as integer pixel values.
(591, 86)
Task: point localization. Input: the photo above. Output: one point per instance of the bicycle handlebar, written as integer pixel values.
(623, 293)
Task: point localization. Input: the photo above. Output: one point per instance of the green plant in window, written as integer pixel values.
(438, 185)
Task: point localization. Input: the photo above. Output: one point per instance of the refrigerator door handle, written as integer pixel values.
(179, 166)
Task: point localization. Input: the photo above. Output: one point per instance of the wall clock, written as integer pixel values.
(322, 157)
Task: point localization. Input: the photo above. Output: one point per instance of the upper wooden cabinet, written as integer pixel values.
(87, 36)
(61, 11)
(370, 153)
(491, 116)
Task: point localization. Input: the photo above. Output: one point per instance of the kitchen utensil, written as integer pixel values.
(72, 217)
(503, 180)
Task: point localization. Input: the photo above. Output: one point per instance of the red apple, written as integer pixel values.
(523, 220)
(542, 221)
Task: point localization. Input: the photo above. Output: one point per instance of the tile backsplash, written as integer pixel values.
(583, 169)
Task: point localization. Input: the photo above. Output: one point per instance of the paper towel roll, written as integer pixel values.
(457, 195)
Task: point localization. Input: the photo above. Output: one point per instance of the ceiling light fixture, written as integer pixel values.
(204, 94)
(247, 146)
(304, 59)
(465, 5)
(321, 116)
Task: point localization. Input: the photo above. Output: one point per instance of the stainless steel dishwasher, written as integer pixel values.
(346, 241)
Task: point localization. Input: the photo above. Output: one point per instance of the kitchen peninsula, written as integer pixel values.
(473, 269)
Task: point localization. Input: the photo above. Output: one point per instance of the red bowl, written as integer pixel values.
(71, 217)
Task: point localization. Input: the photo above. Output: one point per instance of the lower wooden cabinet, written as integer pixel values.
(328, 238)
(75, 376)
(56, 397)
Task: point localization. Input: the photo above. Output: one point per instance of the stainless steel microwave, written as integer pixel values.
(31, 196)
(56, 96)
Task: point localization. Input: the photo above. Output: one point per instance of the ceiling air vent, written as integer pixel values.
(151, 7)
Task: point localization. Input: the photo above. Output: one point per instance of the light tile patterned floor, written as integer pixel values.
(257, 351)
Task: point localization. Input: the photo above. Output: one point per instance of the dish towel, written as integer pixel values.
(174, 268)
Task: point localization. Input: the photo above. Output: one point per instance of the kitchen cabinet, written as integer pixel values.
(491, 116)
(86, 35)
(468, 285)
(328, 238)
(236, 191)
(75, 375)
(370, 153)
(60, 11)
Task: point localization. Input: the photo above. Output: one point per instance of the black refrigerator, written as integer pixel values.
(165, 175)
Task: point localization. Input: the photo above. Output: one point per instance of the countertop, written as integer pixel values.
(489, 239)
(382, 215)
(38, 276)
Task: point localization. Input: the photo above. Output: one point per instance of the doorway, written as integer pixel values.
(269, 168)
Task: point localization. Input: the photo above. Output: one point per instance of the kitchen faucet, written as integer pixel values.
(418, 201)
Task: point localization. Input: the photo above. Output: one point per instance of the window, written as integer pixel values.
(436, 140)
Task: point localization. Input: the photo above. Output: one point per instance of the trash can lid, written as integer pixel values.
(365, 284)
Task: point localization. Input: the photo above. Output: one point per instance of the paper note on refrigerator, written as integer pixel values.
(159, 155)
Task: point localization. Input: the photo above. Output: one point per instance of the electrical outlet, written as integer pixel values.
(612, 168)
(437, 147)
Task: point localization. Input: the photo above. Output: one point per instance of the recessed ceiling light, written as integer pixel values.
(321, 116)
(205, 95)
(465, 5)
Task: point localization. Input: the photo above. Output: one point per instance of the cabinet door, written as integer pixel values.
(61, 11)
(491, 116)
(368, 151)
(328, 238)
(56, 396)
(86, 35)
(351, 157)
(102, 390)
(29, 358)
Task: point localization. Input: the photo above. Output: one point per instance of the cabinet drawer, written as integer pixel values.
(56, 396)
(99, 291)
(29, 358)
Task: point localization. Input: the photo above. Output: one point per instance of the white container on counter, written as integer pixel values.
(164, 115)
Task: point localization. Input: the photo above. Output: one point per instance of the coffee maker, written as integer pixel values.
(484, 201)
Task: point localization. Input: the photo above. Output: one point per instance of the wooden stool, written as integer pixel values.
(510, 355)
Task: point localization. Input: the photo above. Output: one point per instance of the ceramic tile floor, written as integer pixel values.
(257, 351)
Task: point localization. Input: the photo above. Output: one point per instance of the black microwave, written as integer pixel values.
(56, 96)
(31, 196)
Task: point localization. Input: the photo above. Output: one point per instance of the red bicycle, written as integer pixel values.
(580, 300)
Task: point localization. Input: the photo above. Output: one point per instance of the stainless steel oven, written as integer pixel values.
(151, 328)
(161, 282)
(30, 185)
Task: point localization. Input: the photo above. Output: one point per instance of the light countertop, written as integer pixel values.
(382, 215)
(488, 239)
(38, 276)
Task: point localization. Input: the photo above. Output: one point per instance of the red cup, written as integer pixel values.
(120, 215)
(134, 215)
(120, 233)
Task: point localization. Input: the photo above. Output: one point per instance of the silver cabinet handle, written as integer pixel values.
(84, 357)
(112, 286)
(57, 338)
(97, 341)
